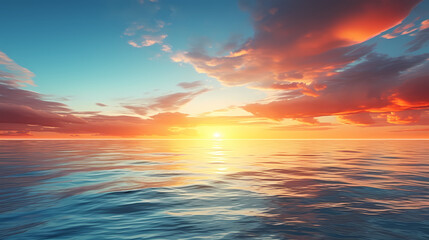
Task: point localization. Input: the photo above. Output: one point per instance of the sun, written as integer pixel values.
(217, 135)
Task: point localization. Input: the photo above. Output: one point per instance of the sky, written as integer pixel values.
(225, 69)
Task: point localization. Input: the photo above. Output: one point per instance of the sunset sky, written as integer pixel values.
(214, 69)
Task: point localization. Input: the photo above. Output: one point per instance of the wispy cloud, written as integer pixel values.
(190, 85)
(13, 72)
(420, 34)
(169, 102)
(149, 40)
(166, 48)
(362, 118)
(101, 104)
(148, 30)
(133, 29)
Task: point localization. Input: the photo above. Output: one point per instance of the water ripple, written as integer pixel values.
(214, 189)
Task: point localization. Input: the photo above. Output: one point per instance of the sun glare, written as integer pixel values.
(217, 135)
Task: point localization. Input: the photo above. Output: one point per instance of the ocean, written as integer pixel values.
(214, 189)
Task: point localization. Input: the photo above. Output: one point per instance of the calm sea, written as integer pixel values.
(214, 189)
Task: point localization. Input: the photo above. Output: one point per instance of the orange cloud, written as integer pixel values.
(149, 40)
(363, 118)
(309, 121)
(134, 44)
(374, 85)
(401, 30)
(300, 39)
(404, 117)
(424, 24)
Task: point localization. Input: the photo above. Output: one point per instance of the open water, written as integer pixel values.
(214, 189)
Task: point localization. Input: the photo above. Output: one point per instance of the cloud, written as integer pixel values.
(424, 24)
(133, 29)
(140, 110)
(14, 73)
(134, 44)
(413, 89)
(126, 126)
(166, 48)
(22, 120)
(19, 106)
(169, 102)
(377, 84)
(12, 113)
(146, 30)
(421, 38)
(306, 89)
(420, 34)
(308, 121)
(300, 39)
(403, 29)
(363, 118)
(175, 100)
(11, 94)
(190, 85)
(23, 112)
(404, 117)
(101, 104)
(412, 130)
(22, 109)
(234, 42)
(149, 40)
(160, 124)
(303, 127)
(312, 54)
(136, 28)
(15, 133)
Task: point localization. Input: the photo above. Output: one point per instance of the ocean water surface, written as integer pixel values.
(214, 189)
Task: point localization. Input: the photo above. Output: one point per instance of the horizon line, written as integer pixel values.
(211, 139)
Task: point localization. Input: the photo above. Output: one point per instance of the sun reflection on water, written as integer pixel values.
(222, 186)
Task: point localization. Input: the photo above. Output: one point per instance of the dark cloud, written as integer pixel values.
(363, 118)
